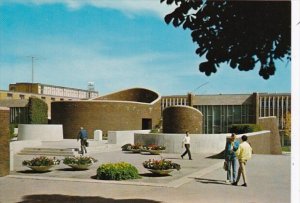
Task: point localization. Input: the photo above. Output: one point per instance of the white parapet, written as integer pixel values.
(123, 137)
(42, 132)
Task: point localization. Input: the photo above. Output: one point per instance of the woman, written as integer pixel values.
(231, 146)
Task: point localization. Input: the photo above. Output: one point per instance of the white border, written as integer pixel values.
(295, 170)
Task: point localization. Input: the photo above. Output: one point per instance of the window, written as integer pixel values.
(22, 96)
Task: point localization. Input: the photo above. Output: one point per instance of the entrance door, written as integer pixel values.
(146, 124)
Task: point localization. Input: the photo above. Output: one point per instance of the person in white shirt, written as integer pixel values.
(186, 142)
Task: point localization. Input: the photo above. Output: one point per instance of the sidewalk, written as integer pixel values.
(199, 180)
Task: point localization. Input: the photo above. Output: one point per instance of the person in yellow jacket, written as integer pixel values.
(243, 154)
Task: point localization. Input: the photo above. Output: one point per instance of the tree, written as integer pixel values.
(240, 33)
(287, 124)
(38, 111)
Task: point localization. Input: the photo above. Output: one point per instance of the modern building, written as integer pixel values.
(53, 90)
(131, 109)
(222, 110)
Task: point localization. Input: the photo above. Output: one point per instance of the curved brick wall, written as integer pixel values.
(134, 94)
(103, 115)
(179, 119)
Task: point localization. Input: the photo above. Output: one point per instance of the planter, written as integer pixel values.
(80, 166)
(155, 152)
(161, 172)
(40, 168)
(136, 150)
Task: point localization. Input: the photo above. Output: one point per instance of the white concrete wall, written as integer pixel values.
(200, 143)
(42, 132)
(123, 137)
(203, 143)
(17, 146)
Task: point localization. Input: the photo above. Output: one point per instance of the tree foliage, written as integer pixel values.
(240, 33)
(38, 111)
(287, 124)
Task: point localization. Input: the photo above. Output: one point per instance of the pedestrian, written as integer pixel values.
(243, 154)
(186, 142)
(230, 157)
(83, 136)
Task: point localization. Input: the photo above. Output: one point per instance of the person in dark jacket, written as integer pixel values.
(231, 147)
(83, 136)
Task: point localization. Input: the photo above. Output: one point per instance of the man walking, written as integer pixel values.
(243, 154)
(83, 136)
(186, 142)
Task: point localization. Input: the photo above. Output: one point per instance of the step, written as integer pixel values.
(47, 151)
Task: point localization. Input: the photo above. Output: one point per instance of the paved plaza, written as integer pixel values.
(199, 180)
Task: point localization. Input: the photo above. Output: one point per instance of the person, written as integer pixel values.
(230, 148)
(243, 154)
(186, 142)
(83, 136)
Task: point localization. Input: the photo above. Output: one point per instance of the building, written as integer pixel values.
(53, 90)
(131, 109)
(222, 110)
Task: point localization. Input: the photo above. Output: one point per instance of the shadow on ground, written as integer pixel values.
(217, 156)
(54, 198)
(211, 181)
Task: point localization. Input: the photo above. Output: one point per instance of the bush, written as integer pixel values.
(38, 111)
(126, 147)
(244, 128)
(117, 171)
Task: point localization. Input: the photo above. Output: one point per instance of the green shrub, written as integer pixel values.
(12, 127)
(244, 128)
(117, 171)
(38, 111)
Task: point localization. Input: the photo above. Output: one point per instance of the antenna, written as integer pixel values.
(200, 86)
(33, 58)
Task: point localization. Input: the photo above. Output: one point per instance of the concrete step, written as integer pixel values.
(47, 151)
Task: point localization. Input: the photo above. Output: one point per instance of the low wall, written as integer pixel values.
(200, 143)
(123, 137)
(40, 132)
(17, 146)
(205, 143)
(259, 141)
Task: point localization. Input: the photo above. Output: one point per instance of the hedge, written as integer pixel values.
(244, 128)
(38, 111)
(117, 171)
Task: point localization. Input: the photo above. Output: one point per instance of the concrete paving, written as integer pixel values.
(199, 180)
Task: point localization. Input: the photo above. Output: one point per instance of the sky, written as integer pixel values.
(115, 44)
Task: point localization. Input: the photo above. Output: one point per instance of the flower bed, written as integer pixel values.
(160, 164)
(117, 171)
(155, 147)
(80, 163)
(126, 147)
(41, 164)
(41, 161)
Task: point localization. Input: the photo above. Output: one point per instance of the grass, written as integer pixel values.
(286, 149)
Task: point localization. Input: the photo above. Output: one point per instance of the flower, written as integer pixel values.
(155, 147)
(137, 146)
(126, 147)
(79, 160)
(160, 164)
(41, 161)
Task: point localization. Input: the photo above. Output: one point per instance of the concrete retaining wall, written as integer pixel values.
(40, 132)
(200, 143)
(204, 143)
(123, 137)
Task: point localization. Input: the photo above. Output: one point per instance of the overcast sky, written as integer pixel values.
(115, 44)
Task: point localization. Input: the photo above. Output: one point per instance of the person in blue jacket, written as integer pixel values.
(231, 147)
(83, 136)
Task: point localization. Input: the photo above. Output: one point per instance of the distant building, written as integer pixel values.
(18, 96)
(222, 110)
(53, 90)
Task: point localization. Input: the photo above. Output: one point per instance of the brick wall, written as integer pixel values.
(102, 115)
(179, 119)
(4, 141)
